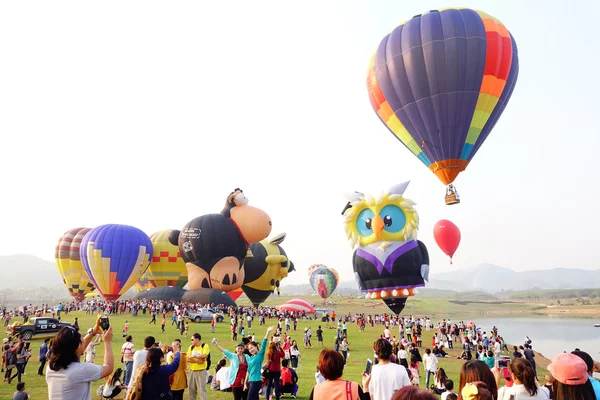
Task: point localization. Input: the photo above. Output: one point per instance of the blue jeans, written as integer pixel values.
(290, 388)
(253, 390)
(127, 375)
(427, 379)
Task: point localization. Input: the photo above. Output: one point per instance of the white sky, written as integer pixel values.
(150, 113)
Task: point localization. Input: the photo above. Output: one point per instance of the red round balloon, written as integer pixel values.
(447, 237)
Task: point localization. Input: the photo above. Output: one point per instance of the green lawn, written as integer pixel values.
(360, 343)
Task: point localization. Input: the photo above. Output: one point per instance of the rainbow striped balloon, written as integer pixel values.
(440, 81)
(69, 264)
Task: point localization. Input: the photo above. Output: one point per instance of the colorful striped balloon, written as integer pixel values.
(323, 279)
(440, 81)
(69, 265)
(115, 256)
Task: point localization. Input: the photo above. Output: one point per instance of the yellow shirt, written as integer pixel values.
(179, 377)
(195, 351)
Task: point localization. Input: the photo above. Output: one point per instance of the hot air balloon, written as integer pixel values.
(115, 256)
(143, 284)
(265, 270)
(389, 262)
(440, 82)
(69, 264)
(323, 279)
(447, 237)
(235, 294)
(167, 267)
(214, 246)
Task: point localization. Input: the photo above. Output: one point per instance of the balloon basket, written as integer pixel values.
(452, 196)
(451, 199)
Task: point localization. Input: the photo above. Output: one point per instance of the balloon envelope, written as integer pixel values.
(447, 236)
(68, 261)
(115, 256)
(323, 280)
(167, 267)
(235, 294)
(440, 81)
(266, 268)
(299, 305)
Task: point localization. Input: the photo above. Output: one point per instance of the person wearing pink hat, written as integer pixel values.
(571, 379)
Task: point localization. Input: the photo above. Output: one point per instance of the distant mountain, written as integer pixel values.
(493, 279)
(23, 270)
(30, 277)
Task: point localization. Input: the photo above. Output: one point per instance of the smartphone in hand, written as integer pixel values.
(104, 323)
(368, 366)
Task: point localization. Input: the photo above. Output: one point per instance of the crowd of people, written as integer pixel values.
(407, 358)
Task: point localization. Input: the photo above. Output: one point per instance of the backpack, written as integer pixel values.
(286, 376)
(208, 362)
(13, 358)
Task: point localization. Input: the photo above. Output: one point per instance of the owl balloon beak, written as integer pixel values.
(377, 225)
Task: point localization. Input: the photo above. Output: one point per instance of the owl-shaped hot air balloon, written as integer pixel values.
(389, 262)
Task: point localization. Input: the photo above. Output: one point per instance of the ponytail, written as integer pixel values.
(523, 371)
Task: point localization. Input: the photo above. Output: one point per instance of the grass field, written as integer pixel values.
(360, 342)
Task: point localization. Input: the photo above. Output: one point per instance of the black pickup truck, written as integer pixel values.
(37, 326)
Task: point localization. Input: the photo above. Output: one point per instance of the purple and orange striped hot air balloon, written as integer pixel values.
(115, 256)
(440, 82)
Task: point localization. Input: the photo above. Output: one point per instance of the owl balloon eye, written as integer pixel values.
(363, 222)
(393, 218)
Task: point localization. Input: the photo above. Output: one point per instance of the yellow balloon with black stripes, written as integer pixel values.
(266, 268)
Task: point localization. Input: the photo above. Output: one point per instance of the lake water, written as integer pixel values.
(549, 335)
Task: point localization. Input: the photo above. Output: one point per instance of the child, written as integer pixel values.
(318, 377)
(126, 327)
(163, 323)
(414, 371)
(449, 384)
(20, 394)
(187, 328)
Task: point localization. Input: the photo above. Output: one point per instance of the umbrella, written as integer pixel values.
(297, 305)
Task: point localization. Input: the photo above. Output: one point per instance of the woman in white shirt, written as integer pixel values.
(294, 354)
(525, 386)
(403, 356)
(67, 378)
(113, 386)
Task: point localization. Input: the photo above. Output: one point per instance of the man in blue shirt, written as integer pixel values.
(42, 358)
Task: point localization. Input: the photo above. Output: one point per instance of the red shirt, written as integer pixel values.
(241, 374)
(276, 361)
